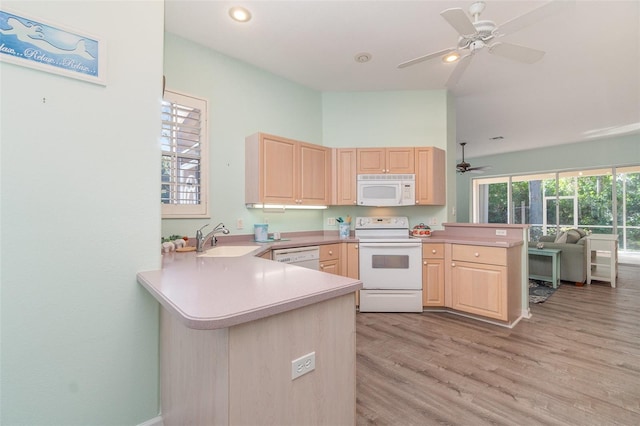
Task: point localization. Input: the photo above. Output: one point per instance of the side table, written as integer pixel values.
(554, 254)
(602, 258)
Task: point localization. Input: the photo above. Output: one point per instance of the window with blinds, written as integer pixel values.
(184, 156)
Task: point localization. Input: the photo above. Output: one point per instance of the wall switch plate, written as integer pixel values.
(239, 224)
(331, 221)
(501, 232)
(303, 365)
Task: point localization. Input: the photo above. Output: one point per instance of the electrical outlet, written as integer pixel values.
(265, 220)
(501, 232)
(331, 221)
(239, 224)
(303, 365)
(433, 221)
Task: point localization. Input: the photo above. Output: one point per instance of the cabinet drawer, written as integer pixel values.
(480, 254)
(329, 251)
(433, 251)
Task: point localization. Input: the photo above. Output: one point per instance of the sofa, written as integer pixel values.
(573, 258)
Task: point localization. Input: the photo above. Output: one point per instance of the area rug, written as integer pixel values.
(540, 291)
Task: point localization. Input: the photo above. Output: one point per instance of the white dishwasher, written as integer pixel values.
(307, 257)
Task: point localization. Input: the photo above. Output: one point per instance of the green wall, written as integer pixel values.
(242, 100)
(389, 118)
(79, 218)
(617, 151)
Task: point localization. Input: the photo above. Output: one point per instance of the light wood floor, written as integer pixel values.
(575, 362)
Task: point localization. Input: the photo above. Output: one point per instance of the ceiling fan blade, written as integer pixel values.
(516, 52)
(533, 16)
(459, 20)
(457, 72)
(426, 57)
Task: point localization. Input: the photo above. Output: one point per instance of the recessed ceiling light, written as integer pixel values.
(240, 14)
(450, 57)
(362, 57)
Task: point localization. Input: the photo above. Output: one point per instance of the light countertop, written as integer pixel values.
(220, 292)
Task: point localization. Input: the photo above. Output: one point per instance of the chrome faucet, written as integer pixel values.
(201, 241)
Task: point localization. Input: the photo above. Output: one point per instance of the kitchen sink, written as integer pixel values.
(228, 251)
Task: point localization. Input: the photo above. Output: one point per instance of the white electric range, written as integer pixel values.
(390, 265)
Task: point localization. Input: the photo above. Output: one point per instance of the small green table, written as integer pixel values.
(554, 254)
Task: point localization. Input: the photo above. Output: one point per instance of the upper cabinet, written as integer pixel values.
(344, 176)
(285, 171)
(385, 160)
(430, 176)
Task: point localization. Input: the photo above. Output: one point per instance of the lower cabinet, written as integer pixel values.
(330, 258)
(351, 264)
(433, 274)
(486, 281)
(479, 289)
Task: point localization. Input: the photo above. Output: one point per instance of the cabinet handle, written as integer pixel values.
(433, 251)
(330, 251)
(424, 262)
(321, 266)
(355, 247)
(476, 254)
(453, 264)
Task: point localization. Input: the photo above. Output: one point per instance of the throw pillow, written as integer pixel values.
(573, 236)
(561, 238)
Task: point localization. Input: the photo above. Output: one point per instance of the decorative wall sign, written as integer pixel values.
(33, 43)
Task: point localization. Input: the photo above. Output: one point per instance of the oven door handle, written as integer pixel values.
(390, 245)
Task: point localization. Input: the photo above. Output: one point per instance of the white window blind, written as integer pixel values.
(184, 156)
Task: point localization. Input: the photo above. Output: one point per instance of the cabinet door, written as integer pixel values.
(371, 160)
(430, 176)
(345, 175)
(432, 282)
(400, 160)
(479, 289)
(315, 174)
(279, 171)
(352, 263)
(330, 266)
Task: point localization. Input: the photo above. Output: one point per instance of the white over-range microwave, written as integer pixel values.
(387, 190)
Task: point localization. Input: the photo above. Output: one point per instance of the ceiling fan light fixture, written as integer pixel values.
(450, 57)
(240, 14)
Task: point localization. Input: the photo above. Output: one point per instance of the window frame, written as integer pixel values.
(200, 210)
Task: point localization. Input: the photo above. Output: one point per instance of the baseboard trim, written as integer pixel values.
(156, 421)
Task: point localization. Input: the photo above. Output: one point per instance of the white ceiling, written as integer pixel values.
(586, 86)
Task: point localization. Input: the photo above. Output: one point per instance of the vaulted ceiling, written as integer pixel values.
(586, 86)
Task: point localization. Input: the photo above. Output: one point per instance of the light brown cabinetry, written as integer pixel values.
(330, 258)
(433, 274)
(344, 176)
(385, 160)
(350, 262)
(485, 280)
(284, 171)
(430, 176)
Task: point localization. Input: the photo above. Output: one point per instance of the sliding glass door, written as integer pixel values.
(601, 201)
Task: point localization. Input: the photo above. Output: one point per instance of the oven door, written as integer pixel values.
(391, 265)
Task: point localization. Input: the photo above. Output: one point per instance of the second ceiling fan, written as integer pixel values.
(478, 34)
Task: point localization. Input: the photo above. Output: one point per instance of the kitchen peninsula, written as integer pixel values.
(231, 328)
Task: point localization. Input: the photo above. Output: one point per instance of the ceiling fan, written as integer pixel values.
(463, 166)
(477, 34)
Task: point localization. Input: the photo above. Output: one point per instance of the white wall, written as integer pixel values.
(79, 219)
